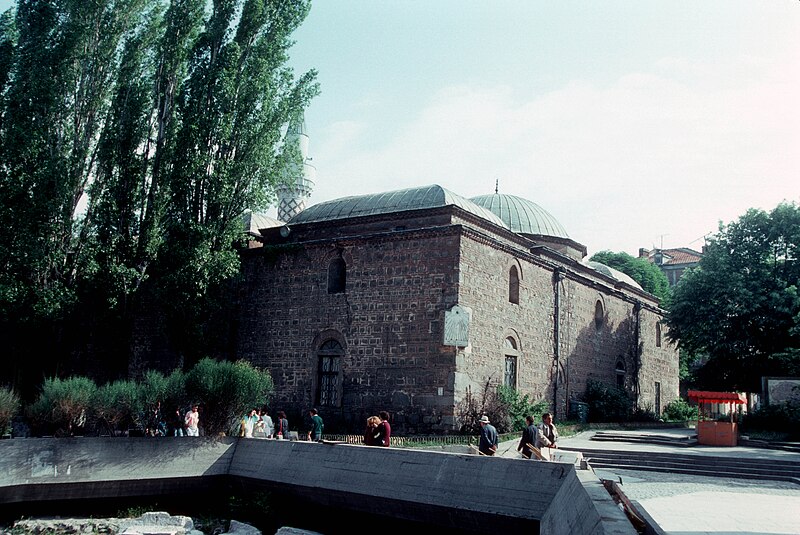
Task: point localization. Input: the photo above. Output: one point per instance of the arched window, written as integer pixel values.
(599, 314)
(511, 353)
(513, 285)
(337, 276)
(658, 334)
(329, 381)
(620, 370)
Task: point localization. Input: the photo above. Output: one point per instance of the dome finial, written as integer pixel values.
(497, 185)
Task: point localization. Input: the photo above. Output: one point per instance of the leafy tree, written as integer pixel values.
(164, 119)
(226, 390)
(62, 405)
(740, 307)
(9, 405)
(648, 275)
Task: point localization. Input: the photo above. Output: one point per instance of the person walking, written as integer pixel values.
(548, 435)
(529, 438)
(315, 433)
(489, 440)
(384, 430)
(249, 423)
(282, 426)
(192, 421)
(268, 424)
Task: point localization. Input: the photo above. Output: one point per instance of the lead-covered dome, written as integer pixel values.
(433, 196)
(521, 215)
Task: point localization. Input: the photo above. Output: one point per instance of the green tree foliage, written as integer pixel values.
(740, 307)
(607, 403)
(648, 275)
(162, 118)
(226, 390)
(117, 406)
(678, 410)
(62, 407)
(9, 406)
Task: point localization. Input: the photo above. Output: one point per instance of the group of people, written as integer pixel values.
(259, 424)
(176, 423)
(534, 437)
(379, 431)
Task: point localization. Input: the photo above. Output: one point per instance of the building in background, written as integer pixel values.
(414, 301)
(673, 262)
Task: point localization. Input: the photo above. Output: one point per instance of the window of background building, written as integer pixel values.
(620, 370)
(658, 399)
(337, 276)
(658, 334)
(330, 364)
(599, 314)
(511, 354)
(513, 285)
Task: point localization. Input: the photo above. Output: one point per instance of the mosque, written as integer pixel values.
(413, 301)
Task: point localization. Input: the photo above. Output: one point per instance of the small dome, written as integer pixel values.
(254, 221)
(613, 273)
(433, 196)
(521, 215)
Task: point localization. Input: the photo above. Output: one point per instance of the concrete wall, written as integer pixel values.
(452, 490)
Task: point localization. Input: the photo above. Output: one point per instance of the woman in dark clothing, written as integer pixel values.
(371, 434)
(281, 426)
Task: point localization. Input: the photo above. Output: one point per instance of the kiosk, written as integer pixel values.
(712, 432)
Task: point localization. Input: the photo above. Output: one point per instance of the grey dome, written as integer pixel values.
(521, 215)
(613, 273)
(433, 196)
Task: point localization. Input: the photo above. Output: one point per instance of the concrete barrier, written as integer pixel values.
(453, 490)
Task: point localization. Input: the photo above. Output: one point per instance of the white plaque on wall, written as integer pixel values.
(456, 327)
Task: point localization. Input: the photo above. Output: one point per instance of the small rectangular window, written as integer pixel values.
(510, 379)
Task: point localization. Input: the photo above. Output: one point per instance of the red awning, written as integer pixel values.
(704, 396)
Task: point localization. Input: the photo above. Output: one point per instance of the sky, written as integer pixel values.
(635, 124)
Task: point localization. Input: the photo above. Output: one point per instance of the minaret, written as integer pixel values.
(300, 174)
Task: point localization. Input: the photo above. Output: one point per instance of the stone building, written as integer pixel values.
(409, 300)
(673, 262)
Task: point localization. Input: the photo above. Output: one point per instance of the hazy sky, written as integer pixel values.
(631, 122)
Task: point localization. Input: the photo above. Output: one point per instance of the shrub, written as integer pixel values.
(62, 405)
(226, 390)
(503, 405)
(117, 406)
(9, 405)
(678, 410)
(517, 408)
(607, 403)
(783, 418)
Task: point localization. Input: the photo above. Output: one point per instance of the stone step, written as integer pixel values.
(714, 466)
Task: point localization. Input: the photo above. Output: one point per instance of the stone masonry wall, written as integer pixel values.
(389, 322)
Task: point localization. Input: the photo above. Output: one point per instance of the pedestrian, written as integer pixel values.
(384, 430)
(248, 424)
(371, 434)
(315, 432)
(529, 438)
(282, 426)
(267, 423)
(489, 439)
(192, 421)
(548, 434)
(176, 423)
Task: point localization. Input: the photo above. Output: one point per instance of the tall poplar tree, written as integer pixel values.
(133, 134)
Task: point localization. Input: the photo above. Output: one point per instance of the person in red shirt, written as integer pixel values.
(384, 430)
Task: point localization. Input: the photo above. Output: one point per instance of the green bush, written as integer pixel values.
(226, 390)
(607, 403)
(9, 405)
(516, 408)
(117, 406)
(783, 418)
(62, 406)
(678, 410)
